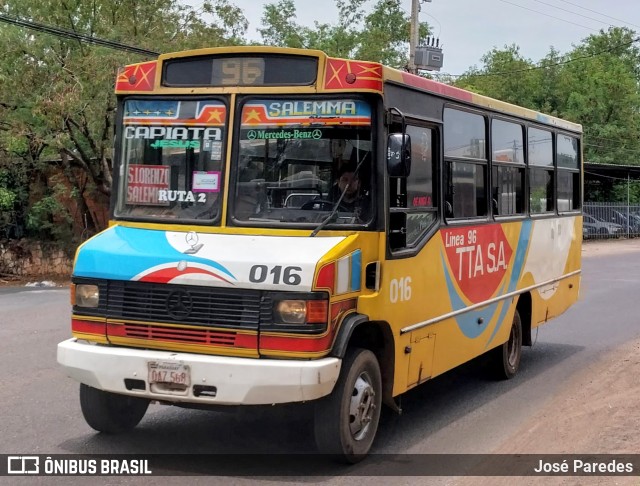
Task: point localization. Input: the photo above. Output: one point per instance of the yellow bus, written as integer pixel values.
(289, 227)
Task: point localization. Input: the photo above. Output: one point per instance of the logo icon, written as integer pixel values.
(179, 304)
(252, 135)
(23, 465)
(479, 258)
(317, 134)
(192, 240)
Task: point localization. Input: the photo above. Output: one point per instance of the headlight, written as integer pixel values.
(87, 295)
(301, 311)
(291, 311)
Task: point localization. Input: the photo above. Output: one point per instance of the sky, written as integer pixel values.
(468, 29)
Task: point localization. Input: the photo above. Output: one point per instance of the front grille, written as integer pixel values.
(191, 336)
(185, 304)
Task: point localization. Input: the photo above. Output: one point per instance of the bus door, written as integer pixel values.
(413, 269)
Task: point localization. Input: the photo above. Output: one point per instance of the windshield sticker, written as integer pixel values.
(150, 112)
(215, 148)
(145, 182)
(325, 112)
(206, 181)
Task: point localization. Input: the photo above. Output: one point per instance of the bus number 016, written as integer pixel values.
(288, 275)
(400, 290)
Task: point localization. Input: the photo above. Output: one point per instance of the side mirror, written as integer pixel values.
(399, 155)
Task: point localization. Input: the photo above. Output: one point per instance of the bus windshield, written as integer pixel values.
(171, 159)
(300, 161)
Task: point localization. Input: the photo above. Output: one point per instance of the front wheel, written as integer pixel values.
(505, 359)
(109, 412)
(346, 421)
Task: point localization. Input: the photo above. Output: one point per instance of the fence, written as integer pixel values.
(610, 220)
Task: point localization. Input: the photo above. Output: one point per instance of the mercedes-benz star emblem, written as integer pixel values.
(192, 240)
(179, 304)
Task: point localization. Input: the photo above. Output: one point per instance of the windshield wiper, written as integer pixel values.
(332, 214)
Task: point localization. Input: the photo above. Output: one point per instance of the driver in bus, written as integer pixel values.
(355, 199)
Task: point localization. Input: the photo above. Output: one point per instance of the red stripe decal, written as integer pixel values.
(435, 87)
(88, 327)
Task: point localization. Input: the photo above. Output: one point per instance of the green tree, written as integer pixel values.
(601, 91)
(505, 75)
(382, 35)
(596, 85)
(56, 94)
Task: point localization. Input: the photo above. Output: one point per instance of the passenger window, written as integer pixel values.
(569, 197)
(465, 164)
(507, 157)
(541, 171)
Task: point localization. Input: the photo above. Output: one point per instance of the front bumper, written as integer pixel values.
(238, 381)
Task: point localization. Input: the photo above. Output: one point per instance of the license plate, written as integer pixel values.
(169, 372)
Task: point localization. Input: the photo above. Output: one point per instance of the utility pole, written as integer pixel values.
(414, 35)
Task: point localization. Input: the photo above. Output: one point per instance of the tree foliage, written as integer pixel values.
(382, 35)
(56, 94)
(596, 85)
(57, 104)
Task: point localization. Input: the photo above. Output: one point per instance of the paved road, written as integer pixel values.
(460, 412)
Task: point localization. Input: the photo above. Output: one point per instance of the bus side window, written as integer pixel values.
(466, 164)
(507, 173)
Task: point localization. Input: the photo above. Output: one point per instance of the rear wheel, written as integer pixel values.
(346, 421)
(505, 359)
(109, 412)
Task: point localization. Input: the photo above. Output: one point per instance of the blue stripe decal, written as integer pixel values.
(518, 265)
(356, 270)
(121, 253)
(468, 322)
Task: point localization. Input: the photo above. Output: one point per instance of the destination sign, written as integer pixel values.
(307, 112)
(238, 70)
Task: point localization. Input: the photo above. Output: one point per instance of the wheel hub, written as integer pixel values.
(361, 406)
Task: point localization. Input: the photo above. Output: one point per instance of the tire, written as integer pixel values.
(505, 359)
(345, 422)
(109, 412)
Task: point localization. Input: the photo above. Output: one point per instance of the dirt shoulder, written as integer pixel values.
(598, 412)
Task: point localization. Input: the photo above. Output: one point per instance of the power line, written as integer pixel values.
(547, 15)
(599, 13)
(598, 137)
(630, 150)
(571, 12)
(74, 35)
(610, 177)
(568, 61)
(506, 73)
